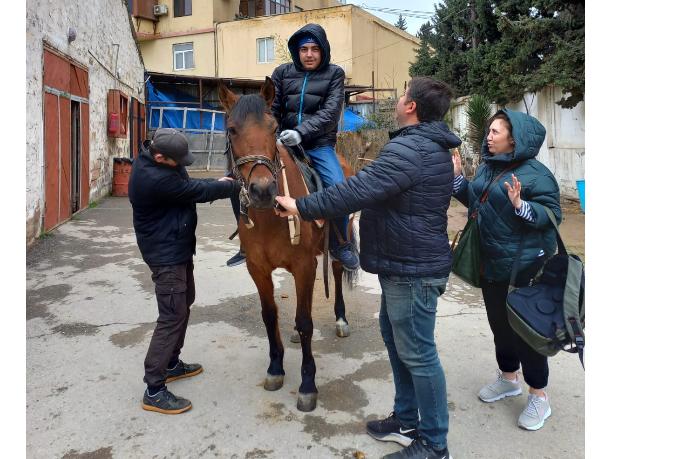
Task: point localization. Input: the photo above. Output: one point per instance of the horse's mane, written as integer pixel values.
(249, 105)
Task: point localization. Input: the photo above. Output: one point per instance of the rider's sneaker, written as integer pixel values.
(390, 429)
(237, 259)
(500, 388)
(419, 449)
(535, 413)
(182, 370)
(165, 402)
(345, 254)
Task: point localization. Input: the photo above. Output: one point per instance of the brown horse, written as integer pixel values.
(258, 161)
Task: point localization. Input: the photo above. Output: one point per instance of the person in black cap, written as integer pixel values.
(163, 199)
(309, 95)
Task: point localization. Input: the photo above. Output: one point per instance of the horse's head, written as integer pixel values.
(251, 132)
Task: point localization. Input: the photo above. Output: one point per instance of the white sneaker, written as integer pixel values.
(535, 413)
(499, 389)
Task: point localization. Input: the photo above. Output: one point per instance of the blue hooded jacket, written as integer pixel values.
(404, 195)
(500, 228)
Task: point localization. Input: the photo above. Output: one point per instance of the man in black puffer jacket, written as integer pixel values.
(404, 196)
(164, 198)
(309, 95)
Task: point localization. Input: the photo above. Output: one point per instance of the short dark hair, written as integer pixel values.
(432, 98)
(501, 116)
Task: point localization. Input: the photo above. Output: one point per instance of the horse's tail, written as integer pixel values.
(351, 277)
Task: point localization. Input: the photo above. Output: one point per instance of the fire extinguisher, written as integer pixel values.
(113, 123)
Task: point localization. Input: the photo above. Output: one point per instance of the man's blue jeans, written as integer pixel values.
(407, 323)
(325, 162)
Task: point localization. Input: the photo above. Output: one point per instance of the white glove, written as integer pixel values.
(290, 137)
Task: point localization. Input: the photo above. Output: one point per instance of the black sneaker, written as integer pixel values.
(419, 449)
(237, 259)
(183, 370)
(390, 429)
(165, 402)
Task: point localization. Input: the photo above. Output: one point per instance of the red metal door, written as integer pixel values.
(63, 82)
(137, 130)
(64, 184)
(51, 165)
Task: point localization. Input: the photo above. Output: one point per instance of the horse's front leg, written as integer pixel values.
(304, 277)
(342, 329)
(263, 280)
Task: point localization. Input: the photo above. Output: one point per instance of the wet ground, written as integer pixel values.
(91, 311)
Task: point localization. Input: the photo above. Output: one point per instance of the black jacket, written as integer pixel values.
(165, 215)
(404, 196)
(319, 93)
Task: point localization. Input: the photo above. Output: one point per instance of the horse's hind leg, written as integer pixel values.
(304, 277)
(342, 329)
(275, 372)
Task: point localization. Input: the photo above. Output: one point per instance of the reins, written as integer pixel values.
(275, 166)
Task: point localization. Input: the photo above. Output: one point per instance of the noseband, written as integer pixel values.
(273, 165)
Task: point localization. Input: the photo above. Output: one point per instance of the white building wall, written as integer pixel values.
(563, 150)
(100, 26)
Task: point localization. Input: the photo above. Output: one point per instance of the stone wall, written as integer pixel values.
(105, 45)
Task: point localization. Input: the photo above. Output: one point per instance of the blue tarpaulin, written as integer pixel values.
(352, 121)
(165, 97)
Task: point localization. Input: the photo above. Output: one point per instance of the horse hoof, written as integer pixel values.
(273, 382)
(295, 338)
(342, 329)
(307, 402)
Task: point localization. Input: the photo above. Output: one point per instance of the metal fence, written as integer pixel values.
(207, 145)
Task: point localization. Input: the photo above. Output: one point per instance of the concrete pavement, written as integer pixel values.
(91, 311)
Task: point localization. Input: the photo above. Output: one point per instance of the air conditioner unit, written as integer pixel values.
(160, 10)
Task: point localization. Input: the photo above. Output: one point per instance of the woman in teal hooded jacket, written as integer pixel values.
(509, 194)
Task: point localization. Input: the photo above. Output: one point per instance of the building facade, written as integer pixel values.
(85, 76)
(247, 39)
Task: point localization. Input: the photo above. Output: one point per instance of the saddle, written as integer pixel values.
(311, 178)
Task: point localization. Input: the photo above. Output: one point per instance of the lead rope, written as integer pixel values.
(292, 220)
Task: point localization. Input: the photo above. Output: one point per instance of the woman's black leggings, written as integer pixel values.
(511, 350)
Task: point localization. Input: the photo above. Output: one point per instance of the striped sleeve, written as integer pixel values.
(525, 212)
(457, 183)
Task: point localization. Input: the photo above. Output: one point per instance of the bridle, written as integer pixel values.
(274, 165)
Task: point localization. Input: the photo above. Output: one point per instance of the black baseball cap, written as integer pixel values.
(173, 144)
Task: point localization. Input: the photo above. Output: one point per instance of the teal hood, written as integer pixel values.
(528, 134)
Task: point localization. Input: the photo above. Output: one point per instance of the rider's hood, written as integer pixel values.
(319, 35)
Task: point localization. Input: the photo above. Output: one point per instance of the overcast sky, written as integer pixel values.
(415, 5)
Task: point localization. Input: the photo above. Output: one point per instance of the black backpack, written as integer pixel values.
(549, 314)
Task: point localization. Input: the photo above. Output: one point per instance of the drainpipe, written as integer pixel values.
(216, 50)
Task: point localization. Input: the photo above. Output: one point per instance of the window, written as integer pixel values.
(182, 8)
(183, 56)
(266, 50)
(276, 7)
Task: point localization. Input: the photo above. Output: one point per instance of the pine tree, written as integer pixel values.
(505, 48)
(401, 23)
(426, 63)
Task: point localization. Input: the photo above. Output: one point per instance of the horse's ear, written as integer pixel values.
(227, 97)
(268, 91)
